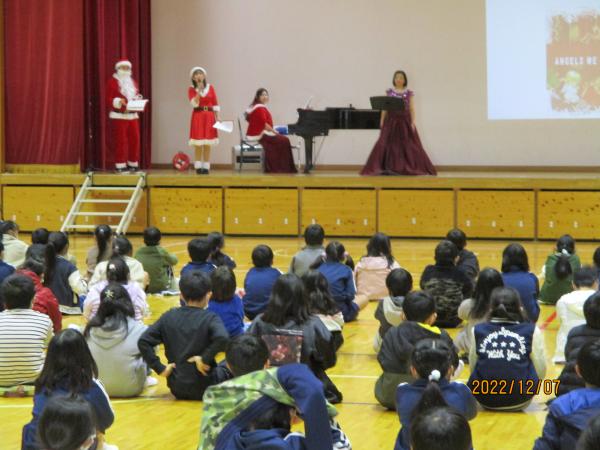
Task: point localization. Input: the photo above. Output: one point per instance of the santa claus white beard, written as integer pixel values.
(126, 85)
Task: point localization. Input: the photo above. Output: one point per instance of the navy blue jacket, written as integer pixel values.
(528, 287)
(59, 285)
(341, 287)
(457, 395)
(96, 397)
(206, 267)
(567, 417)
(258, 286)
(504, 354)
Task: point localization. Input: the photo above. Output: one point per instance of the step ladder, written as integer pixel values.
(82, 198)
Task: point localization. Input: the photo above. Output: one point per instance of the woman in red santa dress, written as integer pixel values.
(203, 135)
(278, 150)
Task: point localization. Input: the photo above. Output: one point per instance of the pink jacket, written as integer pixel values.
(370, 274)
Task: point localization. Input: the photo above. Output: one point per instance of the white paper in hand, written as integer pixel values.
(225, 125)
(136, 105)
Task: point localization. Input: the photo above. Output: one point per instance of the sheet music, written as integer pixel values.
(137, 105)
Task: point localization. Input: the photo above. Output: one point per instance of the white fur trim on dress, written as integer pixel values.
(253, 107)
(197, 68)
(123, 116)
(197, 142)
(258, 137)
(132, 163)
(117, 102)
(204, 92)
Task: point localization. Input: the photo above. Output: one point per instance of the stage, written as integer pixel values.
(486, 204)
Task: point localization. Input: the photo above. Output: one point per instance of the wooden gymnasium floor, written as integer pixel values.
(157, 421)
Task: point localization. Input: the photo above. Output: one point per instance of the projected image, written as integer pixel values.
(573, 63)
(543, 59)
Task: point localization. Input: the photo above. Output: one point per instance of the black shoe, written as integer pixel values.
(205, 171)
(133, 169)
(121, 170)
(199, 172)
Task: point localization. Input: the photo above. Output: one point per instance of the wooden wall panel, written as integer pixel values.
(497, 214)
(342, 212)
(37, 206)
(261, 211)
(414, 213)
(576, 213)
(187, 210)
(138, 223)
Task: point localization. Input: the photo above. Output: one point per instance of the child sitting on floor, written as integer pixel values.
(578, 336)
(447, 284)
(475, 310)
(225, 303)
(509, 349)
(569, 308)
(371, 271)
(467, 260)
(216, 241)
(441, 428)
(322, 305)
(254, 411)
(558, 271)
(199, 251)
(399, 283)
(399, 343)
(432, 367)
(192, 337)
(337, 268)
(314, 235)
(156, 261)
(569, 414)
(259, 281)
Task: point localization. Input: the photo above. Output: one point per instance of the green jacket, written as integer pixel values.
(553, 288)
(157, 262)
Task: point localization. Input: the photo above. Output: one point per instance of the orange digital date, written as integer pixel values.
(509, 387)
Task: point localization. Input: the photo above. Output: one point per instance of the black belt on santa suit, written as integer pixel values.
(203, 108)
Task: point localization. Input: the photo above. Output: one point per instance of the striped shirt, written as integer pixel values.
(24, 337)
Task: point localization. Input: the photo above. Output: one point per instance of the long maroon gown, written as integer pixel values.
(398, 151)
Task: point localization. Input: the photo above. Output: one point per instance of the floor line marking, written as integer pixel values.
(548, 321)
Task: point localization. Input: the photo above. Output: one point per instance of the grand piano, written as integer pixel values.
(312, 123)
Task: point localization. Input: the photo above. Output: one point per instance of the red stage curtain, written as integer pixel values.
(44, 84)
(114, 29)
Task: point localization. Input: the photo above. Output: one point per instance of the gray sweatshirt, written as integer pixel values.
(120, 365)
(304, 259)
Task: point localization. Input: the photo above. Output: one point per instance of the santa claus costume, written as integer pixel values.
(123, 124)
(203, 135)
(278, 150)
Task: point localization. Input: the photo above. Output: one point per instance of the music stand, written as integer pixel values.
(386, 103)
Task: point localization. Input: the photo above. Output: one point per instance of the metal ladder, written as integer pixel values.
(82, 198)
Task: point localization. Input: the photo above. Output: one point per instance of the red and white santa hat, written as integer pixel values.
(123, 62)
(196, 69)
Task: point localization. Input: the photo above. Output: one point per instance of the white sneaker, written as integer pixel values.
(151, 381)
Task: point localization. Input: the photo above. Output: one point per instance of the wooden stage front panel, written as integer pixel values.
(492, 205)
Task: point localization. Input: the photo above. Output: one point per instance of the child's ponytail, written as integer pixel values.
(432, 395)
(49, 263)
(432, 359)
(103, 233)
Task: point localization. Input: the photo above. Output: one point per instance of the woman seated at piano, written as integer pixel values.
(277, 148)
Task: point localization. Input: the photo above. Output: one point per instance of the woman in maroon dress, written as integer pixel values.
(399, 151)
(278, 150)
